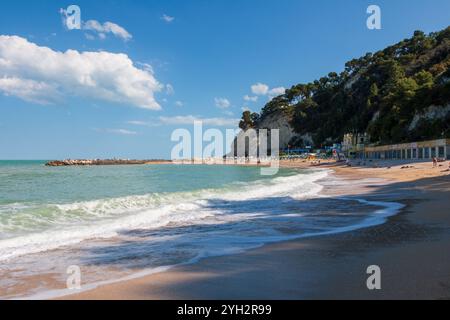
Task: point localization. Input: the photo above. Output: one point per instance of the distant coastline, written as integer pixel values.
(103, 162)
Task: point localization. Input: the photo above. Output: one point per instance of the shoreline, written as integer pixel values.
(222, 277)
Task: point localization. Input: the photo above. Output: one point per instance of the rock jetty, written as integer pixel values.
(102, 162)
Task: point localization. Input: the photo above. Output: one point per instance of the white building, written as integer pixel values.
(415, 150)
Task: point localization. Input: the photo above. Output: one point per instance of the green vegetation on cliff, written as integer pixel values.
(379, 93)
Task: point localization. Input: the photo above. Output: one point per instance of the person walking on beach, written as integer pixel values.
(434, 162)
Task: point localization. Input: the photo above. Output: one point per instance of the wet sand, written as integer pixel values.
(411, 248)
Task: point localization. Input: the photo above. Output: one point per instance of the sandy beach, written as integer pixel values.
(411, 249)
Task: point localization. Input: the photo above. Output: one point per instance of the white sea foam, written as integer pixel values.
(69, 224)
(376, 218)
(249, 213)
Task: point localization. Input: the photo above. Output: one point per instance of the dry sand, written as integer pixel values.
(412, 250)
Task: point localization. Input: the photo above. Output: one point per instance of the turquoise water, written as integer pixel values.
(32, 182)
(117, 220)
(35, 199)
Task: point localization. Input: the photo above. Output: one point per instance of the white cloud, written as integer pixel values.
(105, 28)
(29, 90)
(245, 109)
(260, 89)
(123, 132)
(167, 18)
(137, 122)
(222, 103)
(185, 120)
(277, 91)
(118, 131)
(147, 67)
(179, 103)
(250, 98)
(101, 29)
(144, 123)
(41, 75)
(190, 119)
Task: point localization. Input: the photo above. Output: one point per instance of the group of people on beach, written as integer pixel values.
(436, 163)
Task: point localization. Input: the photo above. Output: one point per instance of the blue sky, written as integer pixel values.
(210, 52)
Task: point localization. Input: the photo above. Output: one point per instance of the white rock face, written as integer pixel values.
(277, 120)
(431, 113)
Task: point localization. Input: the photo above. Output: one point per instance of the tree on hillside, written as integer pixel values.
(379, 93)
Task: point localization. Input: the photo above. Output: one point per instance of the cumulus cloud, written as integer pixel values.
(145, 66)
(190, 119)
(101, 29)
(29, 90)
(167, 18)
(179, 103)
(260, 89)
(277, 91)
(41, 75)
(222, 103)
(250, 98)
(108, 27)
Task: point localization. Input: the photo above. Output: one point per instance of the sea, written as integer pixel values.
(112, 223)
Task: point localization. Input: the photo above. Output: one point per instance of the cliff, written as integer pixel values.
(398, 94)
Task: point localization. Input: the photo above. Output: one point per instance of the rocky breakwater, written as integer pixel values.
(100, 162)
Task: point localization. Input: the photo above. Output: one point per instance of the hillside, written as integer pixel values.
(398, 94)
